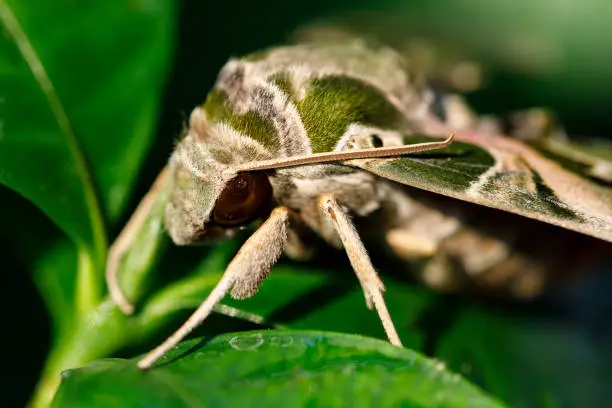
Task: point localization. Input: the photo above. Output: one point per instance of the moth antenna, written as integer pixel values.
(252, 261)
(373, 287)
(327, 157)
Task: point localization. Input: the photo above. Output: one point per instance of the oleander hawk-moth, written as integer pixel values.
(323, 136)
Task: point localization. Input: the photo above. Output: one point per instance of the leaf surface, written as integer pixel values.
(78, 100)
(274, 368)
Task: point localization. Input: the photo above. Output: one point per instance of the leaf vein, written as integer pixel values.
(40, 75)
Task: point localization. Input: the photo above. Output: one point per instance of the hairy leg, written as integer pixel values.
(373, 287)
(242, 277)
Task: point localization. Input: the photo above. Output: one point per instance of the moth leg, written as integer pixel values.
(124, 241)
(373, 287)
(243, 275)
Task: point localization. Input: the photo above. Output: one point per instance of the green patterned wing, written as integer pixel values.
(505, 174)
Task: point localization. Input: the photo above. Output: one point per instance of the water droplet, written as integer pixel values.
(66, 373)
(440, 365)
(245, 343)
(281, 341)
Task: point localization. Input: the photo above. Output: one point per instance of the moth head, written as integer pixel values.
(208, 199)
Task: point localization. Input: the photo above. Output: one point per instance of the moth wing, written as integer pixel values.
(505, 174)
(590, 157)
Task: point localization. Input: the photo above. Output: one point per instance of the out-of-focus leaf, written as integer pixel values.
(527, 362)
(54, 276)
(274, 368)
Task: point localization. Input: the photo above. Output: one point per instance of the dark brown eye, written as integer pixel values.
(243, 200)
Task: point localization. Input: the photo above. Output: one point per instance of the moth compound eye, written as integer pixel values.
(376, 140)
(244, 199)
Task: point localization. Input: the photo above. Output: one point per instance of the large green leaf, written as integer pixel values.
(39, 153)
(80, 87)
(274, 369)
(524, 360)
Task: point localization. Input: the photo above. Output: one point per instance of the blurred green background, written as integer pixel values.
(546, 53)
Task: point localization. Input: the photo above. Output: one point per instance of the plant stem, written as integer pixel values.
(83, 345)
(87, 286)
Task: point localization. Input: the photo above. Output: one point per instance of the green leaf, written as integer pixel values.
(523, 360)
(527, 361)
(40, 156)
(80, 84)
(274, 368)
(53, 274)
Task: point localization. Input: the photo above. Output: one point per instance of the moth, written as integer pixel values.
(322, 136)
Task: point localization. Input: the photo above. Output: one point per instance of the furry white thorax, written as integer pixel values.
(297, 187)
(380, 67)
